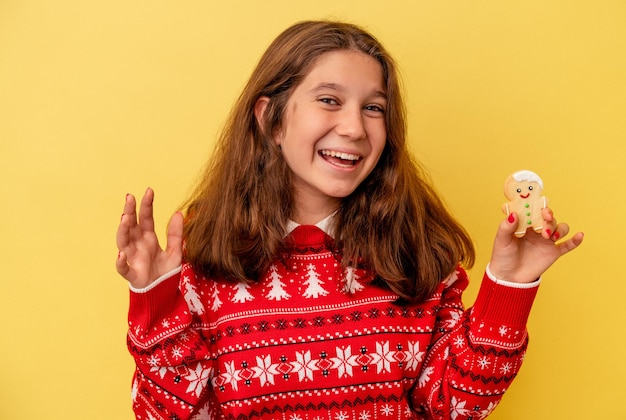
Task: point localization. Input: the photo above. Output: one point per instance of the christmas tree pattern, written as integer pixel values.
(241, 293)
(314, 284)
(351, 284)
(277, 291)
(192, 298)
(217, 303)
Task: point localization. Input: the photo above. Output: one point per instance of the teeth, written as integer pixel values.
(340, 155)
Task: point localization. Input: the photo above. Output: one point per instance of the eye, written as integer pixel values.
(519, 190)
(375, 108)
(530, 188)
(328, 101)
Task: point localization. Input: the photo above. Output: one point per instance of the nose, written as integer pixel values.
(351, 124)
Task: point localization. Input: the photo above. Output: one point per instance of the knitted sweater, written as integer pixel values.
(312, 341)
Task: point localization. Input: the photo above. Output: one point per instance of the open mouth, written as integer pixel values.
(340, 158)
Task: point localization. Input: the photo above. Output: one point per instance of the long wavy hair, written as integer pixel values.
(394, 223)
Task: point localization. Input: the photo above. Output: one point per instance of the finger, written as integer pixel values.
(175, 235)
(547, 214)
(130, 209)
(561, 231)
(571, 244)
(121, 265)
(505, 243)
(122, 237)
(146, 213)
(507, 227)
(550, 225)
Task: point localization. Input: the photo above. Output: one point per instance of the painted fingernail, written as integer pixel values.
(549, 232)
(556, 235)
(511, 218)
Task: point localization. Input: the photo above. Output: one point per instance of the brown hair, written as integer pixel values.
(394, 223)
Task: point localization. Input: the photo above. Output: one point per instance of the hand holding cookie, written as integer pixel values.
(521, 255)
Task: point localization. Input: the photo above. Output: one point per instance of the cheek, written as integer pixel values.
(381, 142)
(376, 133)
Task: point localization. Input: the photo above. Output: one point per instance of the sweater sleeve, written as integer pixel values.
(475, 354)
(171, 358)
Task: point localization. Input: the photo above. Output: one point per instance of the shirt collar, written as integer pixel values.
(325, 225)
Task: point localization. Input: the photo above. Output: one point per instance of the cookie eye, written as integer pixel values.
(530, 188)
(519, 190)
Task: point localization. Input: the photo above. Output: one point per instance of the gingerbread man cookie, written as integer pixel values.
(523, 190)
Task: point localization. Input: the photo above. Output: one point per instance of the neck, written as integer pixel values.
(309, 213)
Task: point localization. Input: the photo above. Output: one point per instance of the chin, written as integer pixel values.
(341, 194)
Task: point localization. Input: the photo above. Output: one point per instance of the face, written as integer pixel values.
(333, 132)
(522, 189)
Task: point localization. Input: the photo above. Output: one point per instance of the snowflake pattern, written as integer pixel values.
(484, 362)
(457, 408)
(415, 356)
(386, 410)
(198, 379)
(305, 366)
(345, 361)
(154, 360)
(177, 353)
(506, 368)
(342, 415)
(459, 342)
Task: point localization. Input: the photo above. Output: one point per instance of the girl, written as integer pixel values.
(317, 275)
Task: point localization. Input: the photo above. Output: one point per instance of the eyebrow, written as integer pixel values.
(335, 86)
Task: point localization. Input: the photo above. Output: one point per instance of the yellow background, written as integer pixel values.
(98, 99)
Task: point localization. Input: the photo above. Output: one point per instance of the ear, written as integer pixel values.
(259, 113)
(259, 110)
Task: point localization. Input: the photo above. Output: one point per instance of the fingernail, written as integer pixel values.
(511, 218)
(557, 235)
(549, 232)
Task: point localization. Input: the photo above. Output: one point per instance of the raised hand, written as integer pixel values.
(525, 259)
(141, 260)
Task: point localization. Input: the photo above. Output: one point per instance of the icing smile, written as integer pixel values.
(340, 158)
(525, 196)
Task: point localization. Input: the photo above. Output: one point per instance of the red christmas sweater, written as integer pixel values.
(312, 341)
